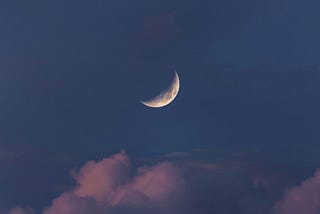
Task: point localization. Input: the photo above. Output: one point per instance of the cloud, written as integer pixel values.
(114, 185)
(69, 203)
(21, 210)
(111, 186)
(101, 180)
(301, 199)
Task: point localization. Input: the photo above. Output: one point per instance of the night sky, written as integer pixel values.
(241, 137)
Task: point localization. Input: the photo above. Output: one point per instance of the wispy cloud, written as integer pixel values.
(21, 210)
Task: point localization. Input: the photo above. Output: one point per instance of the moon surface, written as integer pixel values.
(165, 97)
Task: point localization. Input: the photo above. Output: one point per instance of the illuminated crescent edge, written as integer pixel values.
(166, 96)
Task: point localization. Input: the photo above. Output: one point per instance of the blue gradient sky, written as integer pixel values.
(72, 74)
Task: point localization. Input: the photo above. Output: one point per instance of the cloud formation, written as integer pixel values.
(301, 199)
(21, 210)
(110, 186)
(115, 186)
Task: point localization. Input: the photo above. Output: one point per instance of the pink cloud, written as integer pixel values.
(156, 184)
(20, 210)
(100, 180)
(106, 185)
(301, 199)
(69, 203)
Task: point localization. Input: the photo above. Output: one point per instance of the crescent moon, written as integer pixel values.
(166, 96)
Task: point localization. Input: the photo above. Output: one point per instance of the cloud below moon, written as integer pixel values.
(303, 198)
(114, 186)
(107, 186)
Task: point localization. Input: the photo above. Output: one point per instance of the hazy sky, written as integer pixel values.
(242, 136)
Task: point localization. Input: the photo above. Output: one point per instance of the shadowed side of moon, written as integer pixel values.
(166, 96)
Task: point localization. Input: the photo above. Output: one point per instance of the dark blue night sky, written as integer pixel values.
(242, 136)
